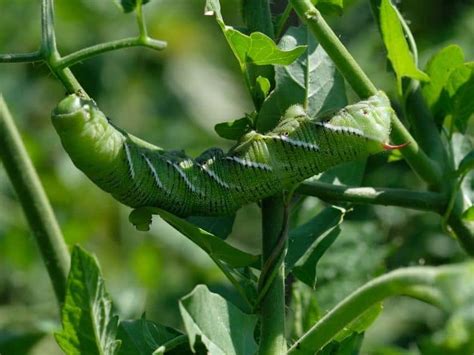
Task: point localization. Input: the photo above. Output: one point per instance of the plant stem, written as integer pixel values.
(272, 310)
(141, 20)
(416, 282)
(32, 57)
(49, 50)
(362, 85)
(419, 200)
(34, 201)
(79, 56)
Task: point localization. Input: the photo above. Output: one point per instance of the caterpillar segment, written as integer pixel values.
(139, 174)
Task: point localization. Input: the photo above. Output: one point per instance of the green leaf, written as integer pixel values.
(220, 226)
(129, 5)
(305, 268)
(402, 59)
(234, 129)
(312, 80)
(88, 324)
(439, 69)
(468, 214)
(466, 164)
(143, 337)
(349, 346)
(212, 245)
(308, 242)
(460, 88)
(221, 326)
(257, 48)
(361, 323)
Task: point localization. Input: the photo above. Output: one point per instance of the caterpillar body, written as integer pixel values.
(139, 174)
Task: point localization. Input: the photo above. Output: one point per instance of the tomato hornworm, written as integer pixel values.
(140, 174)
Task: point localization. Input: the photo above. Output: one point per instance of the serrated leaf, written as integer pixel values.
(308, 242)
(439, 69)
(221, 326)
(233, 129)
(87, 321)
(312, 80)
(143, 337)
(258, 48)
(211, 244)
(399, 54)
(129, 5)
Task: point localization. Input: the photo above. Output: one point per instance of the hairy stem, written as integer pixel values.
(79, 56)
(32, 57)
(418, 200)
(416, 282)
(35, 204)
(272, 310)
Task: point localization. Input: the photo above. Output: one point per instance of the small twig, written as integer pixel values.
(77, 57)
(32, 57)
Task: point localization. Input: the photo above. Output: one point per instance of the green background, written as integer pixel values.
(174, 98)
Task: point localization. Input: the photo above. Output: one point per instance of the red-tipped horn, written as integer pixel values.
(387, 146)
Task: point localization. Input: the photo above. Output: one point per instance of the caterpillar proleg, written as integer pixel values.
(139, 174)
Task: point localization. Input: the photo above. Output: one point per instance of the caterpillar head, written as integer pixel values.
(371, 118)
(73, 112)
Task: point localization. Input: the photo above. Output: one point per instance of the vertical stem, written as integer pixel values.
(49, 50)
(272, 311)
(34, 202)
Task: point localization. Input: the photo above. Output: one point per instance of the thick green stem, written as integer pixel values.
(35, 204)
(272, 309)
(426, 168)
(334, 48)
(418, 200)
(362, 85)
(416, 282)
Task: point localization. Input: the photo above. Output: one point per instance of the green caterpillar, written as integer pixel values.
(139, 174)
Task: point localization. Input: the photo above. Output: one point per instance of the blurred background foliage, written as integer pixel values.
(174, 98)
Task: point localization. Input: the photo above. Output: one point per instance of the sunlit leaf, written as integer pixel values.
(88, 324)
(439, 69)
(402, 59)
(258, 48)
(221, 326)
